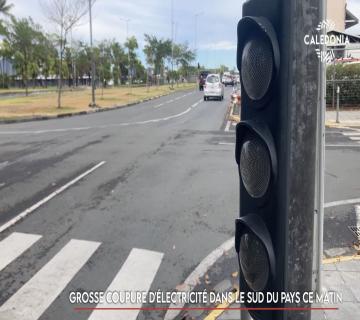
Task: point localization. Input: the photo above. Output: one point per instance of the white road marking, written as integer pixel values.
(192, 280)
(357, 212)
(354, 138)
(158, 105)
(196, 104)
(226, 143)
(351, 133)
(136, 274)
(23, 214)
(97, 127)
(35, 296)
(4, 164)
(14, 245)
(343, 145)
(341, 203)
(227, 128)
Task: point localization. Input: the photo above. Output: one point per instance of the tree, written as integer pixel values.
(65, 14)
(119, 59)
(5, 7)
(183, 57)
(131, 44)
(156, 50)
(23, 38)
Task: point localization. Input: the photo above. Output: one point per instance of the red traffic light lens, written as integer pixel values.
(255, 166)
(254, 262)
(257, 67)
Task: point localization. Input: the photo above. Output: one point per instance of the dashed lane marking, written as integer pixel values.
(37, 205)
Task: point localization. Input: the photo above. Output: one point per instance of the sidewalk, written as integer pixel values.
(340, 276)
(346, 118)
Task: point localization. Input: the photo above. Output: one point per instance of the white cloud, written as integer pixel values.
(220, 45)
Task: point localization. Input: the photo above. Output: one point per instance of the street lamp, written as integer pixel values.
(172, 44)
(127, 37)
(93, 102)
(196, 27)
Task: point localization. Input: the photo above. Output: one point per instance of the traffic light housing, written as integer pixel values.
(275, 151)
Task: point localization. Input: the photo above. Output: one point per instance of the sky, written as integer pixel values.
(216, 27)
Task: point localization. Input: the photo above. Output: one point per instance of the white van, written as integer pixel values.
(213, 87)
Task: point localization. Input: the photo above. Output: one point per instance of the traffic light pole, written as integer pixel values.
(321, 166)
(301, 84)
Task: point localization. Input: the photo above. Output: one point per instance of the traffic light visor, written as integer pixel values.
(255, 251)
(256, 157)
(258, 57)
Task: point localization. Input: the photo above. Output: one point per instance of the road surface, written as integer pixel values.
(128, 199)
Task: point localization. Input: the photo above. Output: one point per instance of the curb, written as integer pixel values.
(81, 113)
(331, 124)
(233, 117)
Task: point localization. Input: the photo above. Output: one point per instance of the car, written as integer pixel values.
(227, 80)
(202, 79)
(213, 87)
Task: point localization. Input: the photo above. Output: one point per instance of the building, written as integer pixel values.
(341, 19)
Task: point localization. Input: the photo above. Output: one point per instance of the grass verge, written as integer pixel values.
(78, 101)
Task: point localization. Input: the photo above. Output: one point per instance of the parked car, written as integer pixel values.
(213, 87)
(202, 79)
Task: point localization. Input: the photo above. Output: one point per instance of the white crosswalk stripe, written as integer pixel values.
(14, 245)
(353, 135)
(35, 296)
(136, 274)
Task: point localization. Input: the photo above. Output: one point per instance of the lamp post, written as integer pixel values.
(127, 37)
(93, 102)
(195, 42)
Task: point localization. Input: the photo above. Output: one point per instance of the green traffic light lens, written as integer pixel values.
(255, 166)
(257, 67)
(254, 262)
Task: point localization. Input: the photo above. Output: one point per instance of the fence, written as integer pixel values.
(343, 79)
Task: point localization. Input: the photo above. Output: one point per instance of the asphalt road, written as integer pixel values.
(167, 186)
(166, 196)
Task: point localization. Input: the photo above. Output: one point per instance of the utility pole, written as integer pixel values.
(172, 43)
(129, 62)
(195, 42)
(197, 15)
(93, 102)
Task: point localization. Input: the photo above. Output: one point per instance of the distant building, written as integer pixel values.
(342, 19)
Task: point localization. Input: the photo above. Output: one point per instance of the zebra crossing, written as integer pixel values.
(36, 295)
(353, 135)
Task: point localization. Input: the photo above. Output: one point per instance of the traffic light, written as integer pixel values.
(275, 151)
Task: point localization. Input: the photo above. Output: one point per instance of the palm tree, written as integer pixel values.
(5, 7)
